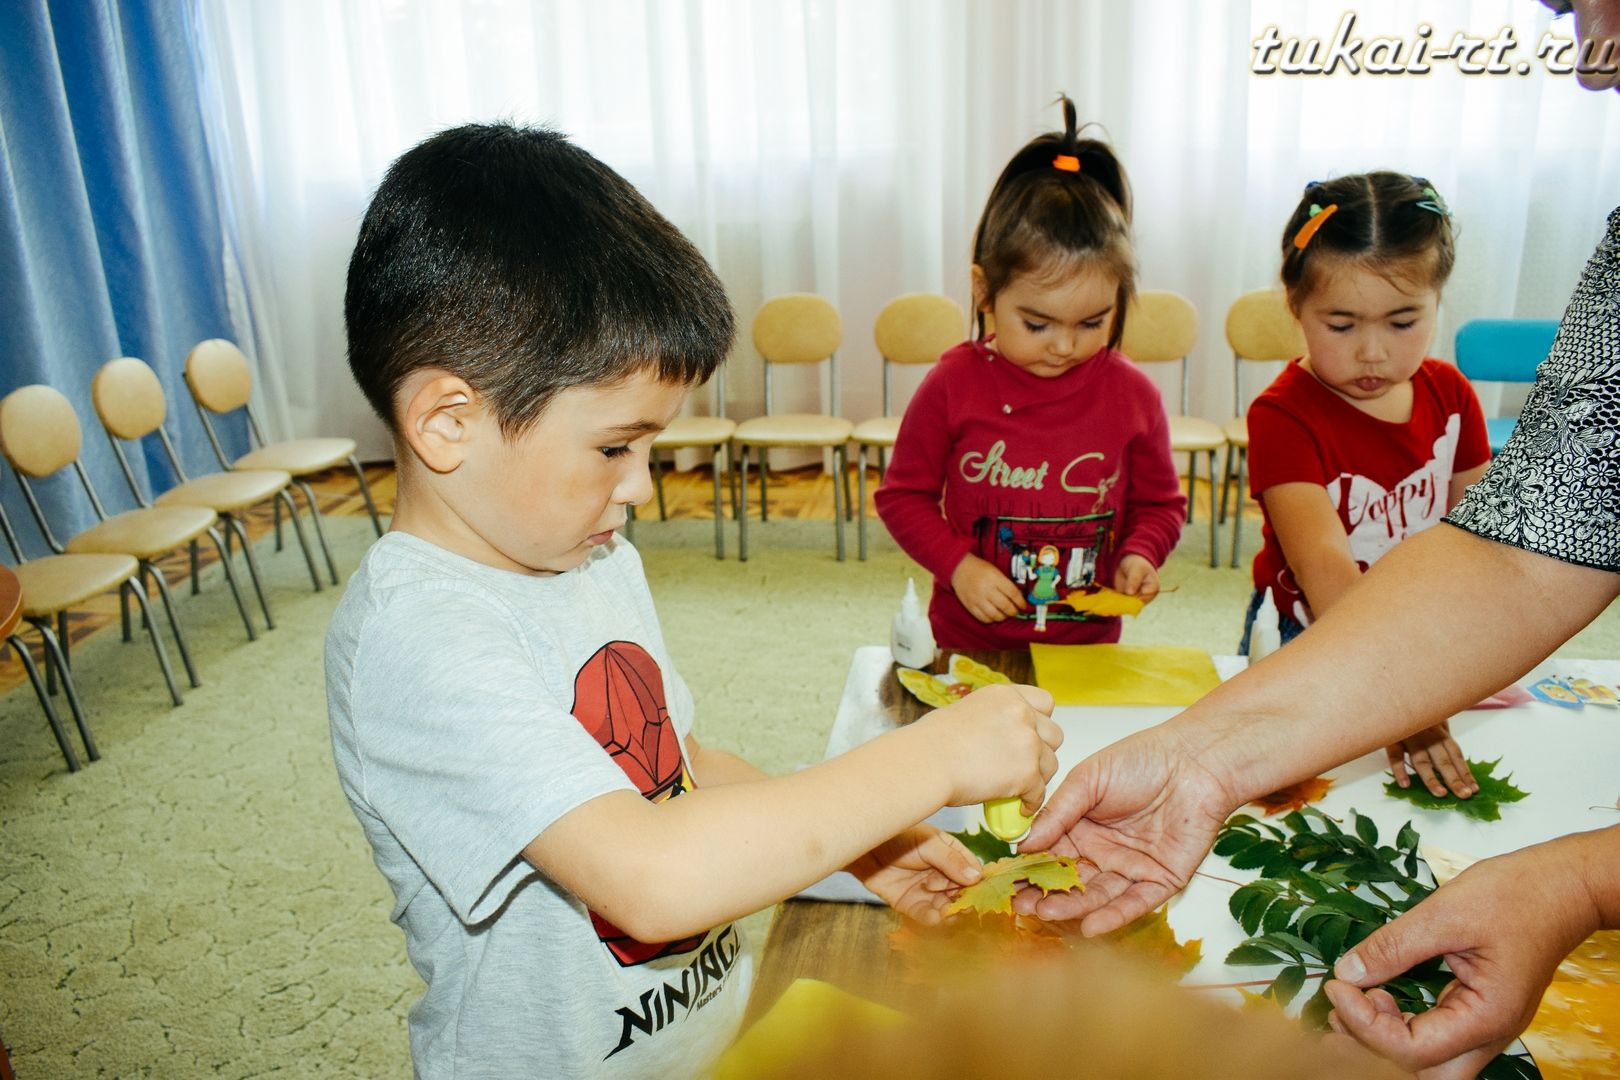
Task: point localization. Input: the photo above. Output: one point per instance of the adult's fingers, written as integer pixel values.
(1394, 948)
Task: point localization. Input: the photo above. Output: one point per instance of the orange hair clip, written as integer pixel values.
(1066, 162)
(1318, 218)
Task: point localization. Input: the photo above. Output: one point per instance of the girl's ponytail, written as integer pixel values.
(1061, 199)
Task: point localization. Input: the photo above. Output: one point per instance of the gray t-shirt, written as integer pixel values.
(472, 707)
(1555, 487)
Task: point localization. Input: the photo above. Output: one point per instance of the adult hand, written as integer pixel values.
(1503, 926)
(1136, 576)
(989, 595)
(1144, 812)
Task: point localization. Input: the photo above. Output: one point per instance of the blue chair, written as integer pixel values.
(1503, 350)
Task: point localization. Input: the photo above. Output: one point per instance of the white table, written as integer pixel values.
(1567, 759)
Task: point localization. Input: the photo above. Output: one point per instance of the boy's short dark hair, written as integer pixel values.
(514, 259)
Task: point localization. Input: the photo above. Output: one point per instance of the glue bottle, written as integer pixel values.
(911, 639)
(1265, 636)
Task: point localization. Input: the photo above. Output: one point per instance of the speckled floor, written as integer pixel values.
(201, 902)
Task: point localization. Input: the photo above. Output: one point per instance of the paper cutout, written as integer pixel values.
(809, 1017)
(1555, 691)
(1595, 693)
(1123, 674)
(964, 677)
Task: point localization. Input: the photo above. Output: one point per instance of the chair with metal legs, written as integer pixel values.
(711, 432)
(220, 382)
(797, 328)
(1260, 329)
(911, 329)
(49, 587)
(39, 434)
(1162, 327)
(131, 405)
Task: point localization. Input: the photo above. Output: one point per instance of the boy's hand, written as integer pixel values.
(1135, 576)
(918, 872)
(996, 743)
(989, 595)
(1436, 758)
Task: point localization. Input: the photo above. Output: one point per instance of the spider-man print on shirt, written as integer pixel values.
(619, 699)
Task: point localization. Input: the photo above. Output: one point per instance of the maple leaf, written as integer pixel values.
(1101, 600)
(1483, 805)
(986, 845)
(1294, 796)
(993, 893)
(1151, 937)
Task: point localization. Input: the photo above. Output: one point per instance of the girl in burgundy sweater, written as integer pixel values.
(1035, 461)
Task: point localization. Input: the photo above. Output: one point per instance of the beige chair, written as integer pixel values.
(131, 404)
(911, 329)
(50, 586)
(1162, 327)
(39, 434)
(700, 432)
(220, 381)
(797, 328)
(1260, 329)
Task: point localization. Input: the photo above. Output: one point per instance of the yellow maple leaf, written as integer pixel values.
(1101, 600)
(1152, 938)
(993, 893)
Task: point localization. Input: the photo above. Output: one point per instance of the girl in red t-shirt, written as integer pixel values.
(1034, 465)
(1364, 440)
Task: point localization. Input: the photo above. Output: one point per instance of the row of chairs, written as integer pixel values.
(40, 436)
(1161, 327)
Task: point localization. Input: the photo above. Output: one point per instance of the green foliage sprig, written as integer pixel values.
(1323, 888)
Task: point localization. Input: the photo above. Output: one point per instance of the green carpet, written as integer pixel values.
(201, 902)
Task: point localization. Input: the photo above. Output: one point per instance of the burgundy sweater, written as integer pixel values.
(1052, 480)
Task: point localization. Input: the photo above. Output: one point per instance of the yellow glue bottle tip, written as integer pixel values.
(1005, 818)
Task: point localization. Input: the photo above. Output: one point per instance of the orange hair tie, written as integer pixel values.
(1314, 223)
(1066, 162)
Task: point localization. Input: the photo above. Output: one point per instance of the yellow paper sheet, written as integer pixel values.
(1124, 674)
(810, 1016)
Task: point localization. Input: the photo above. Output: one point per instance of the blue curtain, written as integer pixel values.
(110, 233)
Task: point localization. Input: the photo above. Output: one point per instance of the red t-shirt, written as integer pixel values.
(1386, 480)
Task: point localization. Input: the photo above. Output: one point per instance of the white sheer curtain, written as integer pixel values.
(845, 147)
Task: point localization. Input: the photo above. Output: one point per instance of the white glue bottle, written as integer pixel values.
(911, 639)
(1265, 636)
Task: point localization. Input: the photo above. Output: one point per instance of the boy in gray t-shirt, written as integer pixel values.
(566, 859)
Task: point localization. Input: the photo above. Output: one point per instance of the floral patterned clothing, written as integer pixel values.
(1555, 487)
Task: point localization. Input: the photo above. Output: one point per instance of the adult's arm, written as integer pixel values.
(1443, 620)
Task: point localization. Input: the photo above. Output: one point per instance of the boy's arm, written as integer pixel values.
(712, 767)
(1313, 541)
(662, 871)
